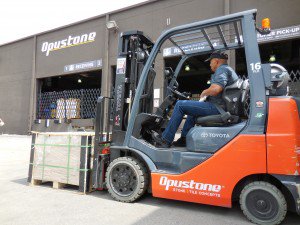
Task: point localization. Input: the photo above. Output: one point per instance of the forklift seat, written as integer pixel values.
(235, 97)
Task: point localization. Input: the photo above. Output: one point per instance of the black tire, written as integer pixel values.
(263, 203)
(126, 179)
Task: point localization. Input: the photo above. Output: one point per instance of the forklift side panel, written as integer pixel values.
(283, 136)
(213, 181)
(211, 139)
(174, 161)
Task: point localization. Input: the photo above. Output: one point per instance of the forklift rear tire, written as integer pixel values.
(126, 179)
(263, 203)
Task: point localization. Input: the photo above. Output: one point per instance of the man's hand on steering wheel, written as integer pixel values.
(179, 95)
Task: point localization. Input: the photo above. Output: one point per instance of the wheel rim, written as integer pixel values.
(262, 205)
(123, 179)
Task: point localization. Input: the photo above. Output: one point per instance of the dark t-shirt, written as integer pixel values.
(223, 76)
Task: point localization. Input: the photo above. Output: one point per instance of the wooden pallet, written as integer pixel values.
(55, 184)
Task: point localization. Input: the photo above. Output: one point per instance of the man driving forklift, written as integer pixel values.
(210, 101)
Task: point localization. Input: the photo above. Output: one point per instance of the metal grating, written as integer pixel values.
(294, 88)
(71, 104)
(227, 35)
(246, 104)
(294, 83)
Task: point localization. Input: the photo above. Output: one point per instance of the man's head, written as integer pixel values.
(216, 59)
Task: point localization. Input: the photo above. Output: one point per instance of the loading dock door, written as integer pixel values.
(70, 96)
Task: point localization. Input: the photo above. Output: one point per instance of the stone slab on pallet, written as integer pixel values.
(62, 158)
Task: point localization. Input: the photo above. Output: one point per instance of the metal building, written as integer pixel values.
(44, 74)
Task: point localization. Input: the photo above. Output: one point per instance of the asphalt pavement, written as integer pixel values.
(22, 204)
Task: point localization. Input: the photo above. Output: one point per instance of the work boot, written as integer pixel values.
(159, 142)
(181, 142)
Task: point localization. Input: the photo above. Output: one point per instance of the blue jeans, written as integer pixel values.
(192, 109)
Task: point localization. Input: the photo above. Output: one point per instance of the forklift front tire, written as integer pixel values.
(263, 203)
(126, 179)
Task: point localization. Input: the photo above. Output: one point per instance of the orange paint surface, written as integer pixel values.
(283, 137)
(212, 182)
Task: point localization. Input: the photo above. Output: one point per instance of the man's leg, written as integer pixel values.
(176, 118)
(196, 109)
(192, 109)
(189, 123)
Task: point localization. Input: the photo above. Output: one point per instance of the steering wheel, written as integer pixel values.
(179, 95)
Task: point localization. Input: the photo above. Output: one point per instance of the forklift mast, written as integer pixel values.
(134, 49)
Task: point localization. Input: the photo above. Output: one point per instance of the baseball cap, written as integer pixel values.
(217, 55)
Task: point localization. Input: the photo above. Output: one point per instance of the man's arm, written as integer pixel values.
(213, 90)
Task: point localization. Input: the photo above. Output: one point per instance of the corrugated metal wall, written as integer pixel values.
(15, 85)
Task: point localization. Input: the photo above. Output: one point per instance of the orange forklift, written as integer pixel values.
(249, 153)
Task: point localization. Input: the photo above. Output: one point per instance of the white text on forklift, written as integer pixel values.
(164, 181)
(68, 42)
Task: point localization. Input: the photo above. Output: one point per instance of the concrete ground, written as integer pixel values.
(21, 204)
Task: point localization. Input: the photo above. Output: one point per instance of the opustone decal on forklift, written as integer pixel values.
(68, 42)
(191, 187)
